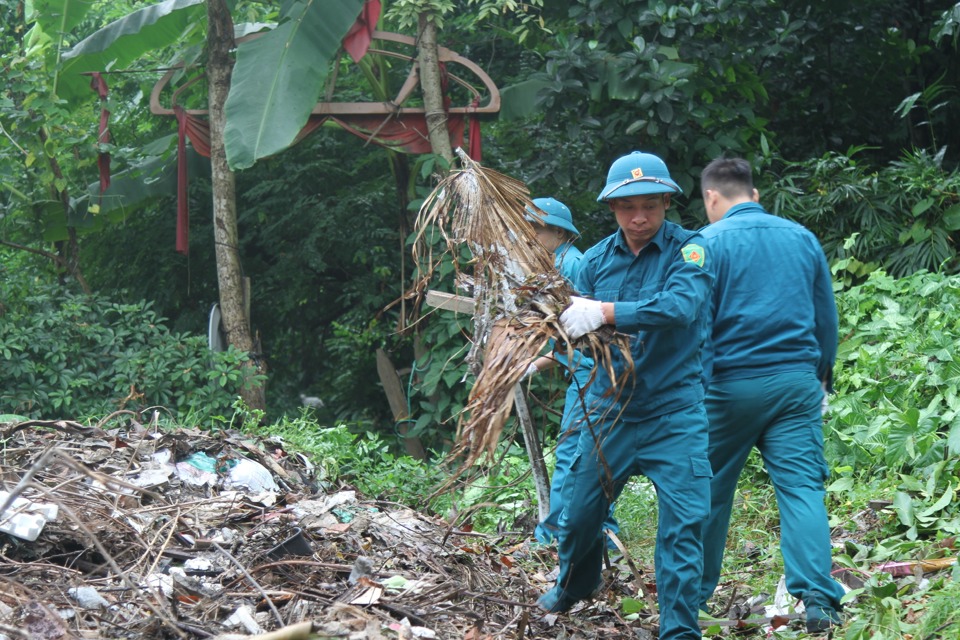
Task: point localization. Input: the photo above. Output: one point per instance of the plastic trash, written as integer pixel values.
(24, 518)
(243, 617)
(198, 469)
(296, 545)
(88, 598)
(250, 475)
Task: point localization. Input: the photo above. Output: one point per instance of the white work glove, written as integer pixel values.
(824, 404)
(581, 317)
(531, 370)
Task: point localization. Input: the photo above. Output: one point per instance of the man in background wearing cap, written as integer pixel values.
(770, 361)
(648, 280)
(557, 233)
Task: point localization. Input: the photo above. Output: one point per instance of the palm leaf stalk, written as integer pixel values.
(518, 294)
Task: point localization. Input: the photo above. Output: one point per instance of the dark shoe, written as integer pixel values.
(558, 600)
(819, 625)
(821, 615)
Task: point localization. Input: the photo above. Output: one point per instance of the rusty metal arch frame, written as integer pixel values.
(394, 106)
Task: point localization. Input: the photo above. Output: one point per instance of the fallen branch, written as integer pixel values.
(518, 296)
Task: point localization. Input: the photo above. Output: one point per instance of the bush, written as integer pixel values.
(897, 409)
(76, 355)
(902, 218)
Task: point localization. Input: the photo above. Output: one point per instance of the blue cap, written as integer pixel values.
(554, 213)
(637, 174)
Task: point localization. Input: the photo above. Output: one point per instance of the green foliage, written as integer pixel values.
(498, 495)
(75, 355)
(672, 79)
(897, 409)
(46, 145)
(324, 263)
(880, 610)
(518, 19)
(902, 217)
(440, 379)
(140, 33)
(940, 615)
(887, 607)
(406, 13)
(845, 51)
(349, 454)
(264, 118)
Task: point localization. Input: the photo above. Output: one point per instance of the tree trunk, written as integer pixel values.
(432, 88)
(233, 294)
(67, 258)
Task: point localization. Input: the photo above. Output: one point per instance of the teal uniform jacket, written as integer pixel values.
(567, 260)
(774, 344)
(660, 298)
(797, 332)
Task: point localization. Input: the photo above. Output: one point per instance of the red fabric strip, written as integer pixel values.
(198, 131)
(98, 84)
(183, 204)
(474, 142)
(407, 133)
(357, 40)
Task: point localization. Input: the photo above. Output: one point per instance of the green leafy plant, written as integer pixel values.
(880, 610)
(901, 218)
(77, 355)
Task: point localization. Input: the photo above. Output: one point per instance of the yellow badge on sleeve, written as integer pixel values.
(693, 253)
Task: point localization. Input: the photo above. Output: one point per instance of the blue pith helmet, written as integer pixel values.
(638, 174)
(557, 214)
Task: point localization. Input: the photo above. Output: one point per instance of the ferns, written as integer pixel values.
(902, 217)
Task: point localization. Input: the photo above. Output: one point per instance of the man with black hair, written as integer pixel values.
(769, 363)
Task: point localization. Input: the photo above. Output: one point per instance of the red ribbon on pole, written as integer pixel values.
(98, 84)
(474, 142)
(183, 202)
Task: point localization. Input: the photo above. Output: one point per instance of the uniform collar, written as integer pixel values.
(742, 208)
(562, 249)
(657, 240)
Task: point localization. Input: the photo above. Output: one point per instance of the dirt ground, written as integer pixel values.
(190, 534)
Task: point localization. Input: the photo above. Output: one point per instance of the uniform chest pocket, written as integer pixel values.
(607, 295)
(641, 289)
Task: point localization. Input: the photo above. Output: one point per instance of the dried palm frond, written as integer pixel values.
(518, 294)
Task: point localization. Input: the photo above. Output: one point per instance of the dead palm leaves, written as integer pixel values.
(518, 294)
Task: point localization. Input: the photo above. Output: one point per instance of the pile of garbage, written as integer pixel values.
(139, 532)
(136, 532)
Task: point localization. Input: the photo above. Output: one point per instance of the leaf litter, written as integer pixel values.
(197, 534)
(138, 532)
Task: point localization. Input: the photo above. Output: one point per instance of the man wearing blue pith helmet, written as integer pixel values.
(556, 232)
(647, 280)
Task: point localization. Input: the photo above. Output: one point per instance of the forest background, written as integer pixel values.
(847, 109)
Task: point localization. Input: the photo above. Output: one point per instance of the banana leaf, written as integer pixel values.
(279, 77)
(122, 41)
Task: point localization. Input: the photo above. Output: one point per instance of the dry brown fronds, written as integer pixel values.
(518, 294)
